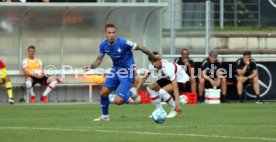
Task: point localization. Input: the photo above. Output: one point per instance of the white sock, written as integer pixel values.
(50, 87)
(111, 98)
(167, 98)
(155, 98)
(105, 116)
(29, 87)
(133, 92)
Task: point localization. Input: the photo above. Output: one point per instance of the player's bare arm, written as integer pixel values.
(98, 61)
(188, 65)
(242, 71)
(176, 96)
(142, 81)
(254, 74)
(27, 73)
(206, 77)
(95, 64)
(145, 51)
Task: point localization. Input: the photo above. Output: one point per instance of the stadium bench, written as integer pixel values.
(18, 79)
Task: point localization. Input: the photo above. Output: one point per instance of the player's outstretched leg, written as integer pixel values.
(169, 100)
(124, 91)
(155, 98)
(104, 105)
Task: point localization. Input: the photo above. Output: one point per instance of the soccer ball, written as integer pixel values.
(37, 72)
(183, 99)
(159, 115)
(11, 101)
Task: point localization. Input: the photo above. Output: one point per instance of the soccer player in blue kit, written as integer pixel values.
(122, 74)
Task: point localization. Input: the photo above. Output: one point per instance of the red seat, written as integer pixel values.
(145, 98)
(192, 97)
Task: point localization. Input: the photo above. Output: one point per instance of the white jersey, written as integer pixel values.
(171, 71)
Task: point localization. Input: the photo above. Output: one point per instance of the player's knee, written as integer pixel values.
(118, 101)
(163, 93)
(192, 80)
(152, 93)
(256, 79)
(201, 80)
(239, 79)
(223, 80)
(7, 79)
(239, 85)
(59, 80)
(103, 94)
(150, 90)
(28, 83)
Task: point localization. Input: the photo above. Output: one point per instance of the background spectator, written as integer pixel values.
(247, 73)
(188, 65)
(211, 72)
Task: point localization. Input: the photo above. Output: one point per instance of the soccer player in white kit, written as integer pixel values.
(172, 78)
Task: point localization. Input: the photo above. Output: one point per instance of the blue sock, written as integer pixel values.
(104, 105)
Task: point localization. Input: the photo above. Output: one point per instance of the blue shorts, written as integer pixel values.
(122, 83)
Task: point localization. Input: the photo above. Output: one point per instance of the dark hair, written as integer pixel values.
(154, 53)
(213, 53)
(109, 26)
(184, 50)
(246, 53)
(31, 47)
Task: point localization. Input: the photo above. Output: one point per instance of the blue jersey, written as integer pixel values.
(120, 52)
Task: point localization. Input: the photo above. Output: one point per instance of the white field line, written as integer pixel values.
(186, 126)
(218, 126)
(53, 104)
(187, 135)
(46, 129)
(143, 133)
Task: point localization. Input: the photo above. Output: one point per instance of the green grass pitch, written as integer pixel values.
(73, 123)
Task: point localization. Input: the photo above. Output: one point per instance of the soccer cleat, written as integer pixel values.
(101, 118)
(11, 101)
(134, 96)
(172, 114)
(202, 102)
(133, 90)
(150, 116)
(32, 99)
(259, 102)
(136, 100)
(44, 99)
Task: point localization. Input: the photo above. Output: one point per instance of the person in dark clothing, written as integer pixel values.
(246, 69)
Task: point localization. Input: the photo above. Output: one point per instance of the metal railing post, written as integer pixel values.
(172, 27)
(207, 25)
(221, 14)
